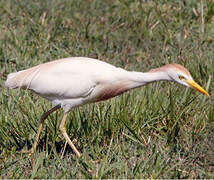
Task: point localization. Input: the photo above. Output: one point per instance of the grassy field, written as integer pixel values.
(159, 131)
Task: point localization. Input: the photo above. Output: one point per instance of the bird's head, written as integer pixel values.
(180, 75)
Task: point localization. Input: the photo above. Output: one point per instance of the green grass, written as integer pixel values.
(159, 131)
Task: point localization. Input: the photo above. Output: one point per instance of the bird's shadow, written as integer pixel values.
(59, 147)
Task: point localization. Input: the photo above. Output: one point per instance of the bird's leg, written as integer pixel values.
(43, 118)
(63, 130)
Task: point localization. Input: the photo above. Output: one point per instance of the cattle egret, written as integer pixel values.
(72, 82)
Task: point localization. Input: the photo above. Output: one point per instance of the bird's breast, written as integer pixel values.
(110, 90)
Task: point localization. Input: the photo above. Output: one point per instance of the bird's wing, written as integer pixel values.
(62, 85)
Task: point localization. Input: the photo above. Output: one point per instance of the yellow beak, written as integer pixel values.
(197, 87)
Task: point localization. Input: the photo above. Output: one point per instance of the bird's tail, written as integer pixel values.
(12, 80)
(22, 79)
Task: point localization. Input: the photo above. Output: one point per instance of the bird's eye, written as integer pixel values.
(181, 77)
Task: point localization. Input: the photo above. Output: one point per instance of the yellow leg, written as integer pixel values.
(43, 118)
(63, 130)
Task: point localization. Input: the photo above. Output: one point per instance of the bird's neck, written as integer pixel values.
(139, 79)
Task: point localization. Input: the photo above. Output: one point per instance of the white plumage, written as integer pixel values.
(69, 82)
(72, 82)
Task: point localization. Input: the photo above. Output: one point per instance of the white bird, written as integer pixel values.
(72, 82)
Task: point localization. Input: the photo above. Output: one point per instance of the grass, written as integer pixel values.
(159, 131)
